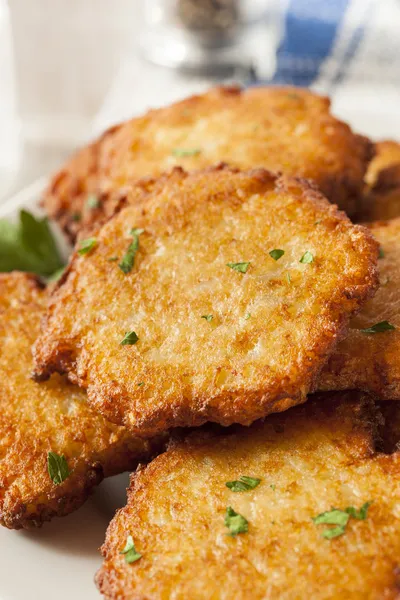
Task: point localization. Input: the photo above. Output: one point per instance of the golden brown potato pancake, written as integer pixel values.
(309, 459)
(382, 199)
(371, 361)
(242, 284)
(283, 129)
(36, 419)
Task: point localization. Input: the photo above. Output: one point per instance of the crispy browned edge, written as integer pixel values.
(85, 172)
(257, 406)
(370, 418)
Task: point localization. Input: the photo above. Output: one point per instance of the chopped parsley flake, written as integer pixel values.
(276, 253)
(288, 277)
(379, 327)
(112, 259)
(381, 253)
(247, 316)
(128, 259)
(273, 487)
(92, 202)
(208, 318)
(140, 384)
(181, 152)
(235, 523)
(129, 339)
(57, 467)
(86, 246)
(340, 518)
(244, 484)
(307, 258)
(241, 267)
(76, 217)
(131, 554)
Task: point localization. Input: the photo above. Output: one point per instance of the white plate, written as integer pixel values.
(60, 560)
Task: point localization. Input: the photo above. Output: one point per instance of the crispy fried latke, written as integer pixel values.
(36, 419)
(309, 459)
(282, 129)
(371, 362)
(382, 199)
(215, 342)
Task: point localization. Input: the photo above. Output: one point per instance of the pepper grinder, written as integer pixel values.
(206, 36)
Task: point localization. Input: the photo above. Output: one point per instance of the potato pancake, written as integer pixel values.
(300, 506)
(53, 448)
(369, 357)
(283, 129)
(215, 295)
(382, 200)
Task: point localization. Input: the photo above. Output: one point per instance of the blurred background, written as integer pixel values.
(70, 68)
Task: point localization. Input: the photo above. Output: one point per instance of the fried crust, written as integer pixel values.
(382, 200)
(372, 362)
(272, 327)
(309, 459)
(282, 129)
(53, 416)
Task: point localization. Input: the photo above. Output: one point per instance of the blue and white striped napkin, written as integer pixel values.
(347, 49)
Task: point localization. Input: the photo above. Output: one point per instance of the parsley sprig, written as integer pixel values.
(340, 518)
(241, 267)
(235, 523)
(28, 245)
(57, 467)
(379, 327)
(243, 484)
(131, 554)
(128, 260)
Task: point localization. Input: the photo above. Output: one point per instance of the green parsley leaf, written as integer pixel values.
(318, 222)
(332, 517)
(360, 514)
(276, 253)
(333, 532)
(241, 267)
(57, 467)
(208, 318)
(273, 487)
(86, 246)
(28, 245)
(381, 253)
(288, 277)
(236, 523)
(340, 518)
(243, 484)
(76, 217)
(92, 202)
(128, 259)
(131, 554)
(379, 327)
(140, 384)
(129, 339)
(181, 152)
(247, 316)
(307, 258)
